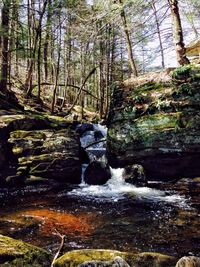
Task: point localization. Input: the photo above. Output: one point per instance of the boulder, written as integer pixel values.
(38, 145)
(98, 135)
(78, 257)
(83, 128)
(97, 173)
(117, 261)
(154, 121)
(134, 174)
(189, 261)
(52, 154)
(84, 158)
(17, 253)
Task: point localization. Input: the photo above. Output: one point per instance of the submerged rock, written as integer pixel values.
(134, 174)
(79, 257)
(97, 173)
(154, 121)
(17, 253)
(189, 261)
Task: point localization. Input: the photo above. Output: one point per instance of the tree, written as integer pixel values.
(128, 40)
(159, 33)
(5, 44)
(178, 33)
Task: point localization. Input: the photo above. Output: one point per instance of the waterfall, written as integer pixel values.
(116, 188)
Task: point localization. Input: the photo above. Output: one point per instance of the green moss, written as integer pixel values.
(76, 257)
(28, 134)
(150, 86)
(17, 253)
(158, 121)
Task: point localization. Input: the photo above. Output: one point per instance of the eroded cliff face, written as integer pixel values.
(155, 121)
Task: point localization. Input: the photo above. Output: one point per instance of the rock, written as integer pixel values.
(190, 261)
(97, 173)
(84, 158)
(118, 261)
(52, 154)
(155, 122)
(78, 257)
(17, 253)
(98, 135)
(85, 127)
(134, 174)
(38, 145)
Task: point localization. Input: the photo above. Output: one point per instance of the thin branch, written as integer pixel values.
(94, 143)
(81, 89)
(60, 247)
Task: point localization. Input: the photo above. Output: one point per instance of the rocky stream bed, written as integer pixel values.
(150, 204)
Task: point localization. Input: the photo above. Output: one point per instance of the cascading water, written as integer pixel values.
(116, 188)
(116, 215)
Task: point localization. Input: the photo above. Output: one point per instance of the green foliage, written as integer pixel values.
(182, 72)
(139, 99)
(186, 89)
(148, 87)
(163, 104)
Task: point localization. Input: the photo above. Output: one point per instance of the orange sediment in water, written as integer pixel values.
(65, 223)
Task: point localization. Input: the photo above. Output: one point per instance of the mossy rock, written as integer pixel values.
(17, 254)
(76, 257)
(154, 121)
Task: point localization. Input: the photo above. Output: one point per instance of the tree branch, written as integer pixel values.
(60, 247)
(81, 88)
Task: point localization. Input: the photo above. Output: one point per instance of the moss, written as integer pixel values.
(17, 253)
(76, 257)
(28, 134)
(158, 121)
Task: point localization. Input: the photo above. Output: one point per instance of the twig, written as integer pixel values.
(60, 247)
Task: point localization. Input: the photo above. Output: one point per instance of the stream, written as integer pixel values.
(163, 217)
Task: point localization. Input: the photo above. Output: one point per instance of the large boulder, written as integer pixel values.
(40, 146)
(154, 121)
(52, 154)
(97, 173)
(83, 128)
(117, 261)
(190, 261)
(79, 257)
(17, 253)
(134, 174)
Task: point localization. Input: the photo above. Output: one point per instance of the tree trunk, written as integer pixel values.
(57, 67)
(128, 42)
(31, 65)
(5, 45)
(159, 34)
(47, 40)
(178, 33)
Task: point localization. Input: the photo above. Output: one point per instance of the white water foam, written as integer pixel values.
(116, 188)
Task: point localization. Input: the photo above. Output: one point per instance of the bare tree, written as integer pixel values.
(5, 45)
(128, 41)
(178, 33)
